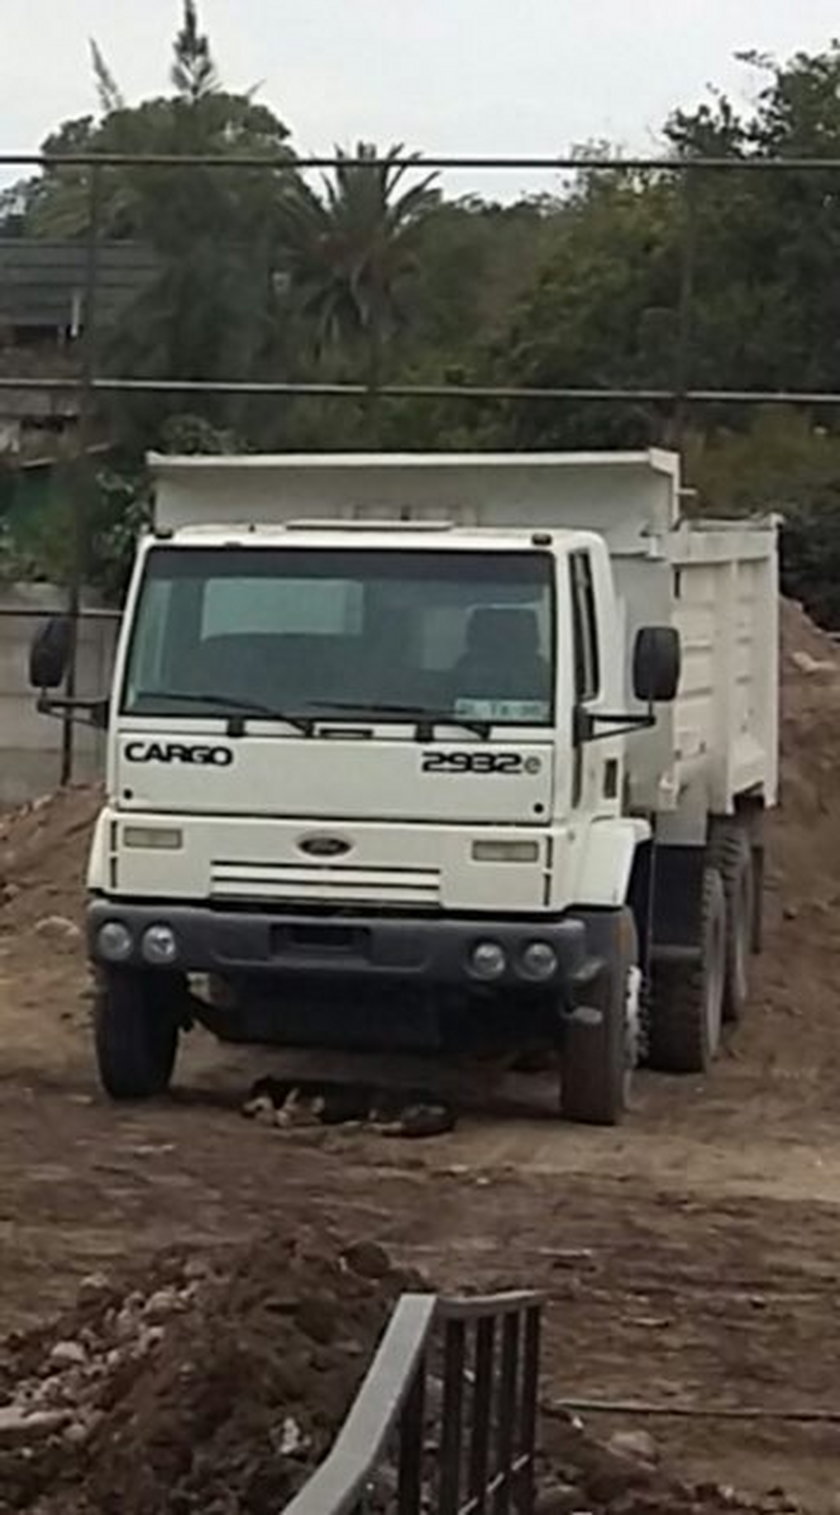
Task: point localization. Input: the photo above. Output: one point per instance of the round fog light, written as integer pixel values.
(159, 946)
(487, 960)
(539, 961)
(114, 942)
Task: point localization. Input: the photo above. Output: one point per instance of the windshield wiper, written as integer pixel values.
(421, 719)
(230, 703)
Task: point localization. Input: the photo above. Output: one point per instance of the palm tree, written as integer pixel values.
(353, 252)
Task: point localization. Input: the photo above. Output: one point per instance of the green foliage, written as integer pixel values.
(784, 464)
(354, 264)
(193, 72)
(373, 276)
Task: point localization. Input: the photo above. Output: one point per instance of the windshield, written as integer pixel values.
(297, 631)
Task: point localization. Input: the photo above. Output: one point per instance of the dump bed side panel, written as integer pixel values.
(725, 606)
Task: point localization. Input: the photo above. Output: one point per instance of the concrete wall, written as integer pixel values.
(30, 744)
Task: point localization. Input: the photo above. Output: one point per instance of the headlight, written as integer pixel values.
(487, 960)
(505, 852)
(154, 838)
(114, 942)
(539, 961)
(159, 946)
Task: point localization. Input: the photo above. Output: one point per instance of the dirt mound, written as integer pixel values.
(790, 1035)
(622, 1477)
(210, 1385)
(43, 856)
(807, 830)
(216, 1384)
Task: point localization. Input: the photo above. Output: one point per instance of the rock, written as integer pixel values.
(17, 1428)
(149, 1338)
(292, 1439)
(638, 1445)
(367, 1259)
(68, 1354)
(50, 1390)
(196, 1270)
(558, 1499)
(58, 928)
(806, 664)
(126, 1324)
(160, 1305)
(93, 1290)
(76, 1434)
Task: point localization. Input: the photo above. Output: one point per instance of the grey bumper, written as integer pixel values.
(429, 950)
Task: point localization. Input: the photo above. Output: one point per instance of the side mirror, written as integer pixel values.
(656, 665)
(49, 655)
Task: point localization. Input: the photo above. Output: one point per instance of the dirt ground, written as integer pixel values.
(690, 1258)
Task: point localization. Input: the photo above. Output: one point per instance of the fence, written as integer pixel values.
(32, 748)
(676, 396)
(470, 1452)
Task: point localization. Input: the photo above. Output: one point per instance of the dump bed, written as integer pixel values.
(714, 581)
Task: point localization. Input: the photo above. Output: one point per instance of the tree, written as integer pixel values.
(217, 309)
(110, 95)
(193, 72)
(354, 255)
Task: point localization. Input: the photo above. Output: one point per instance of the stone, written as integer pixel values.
(558, 1499)
(638, 1445)
(160, 1305)
(126, 1324)
(292, 1439)
(58, 928)
(149, 1338)
(94, 1289)
(76, 1434)
(68, 1354)
(18, 1428)
(806, 664)
(368, 1260)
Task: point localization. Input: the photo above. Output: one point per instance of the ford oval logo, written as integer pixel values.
(325, 846)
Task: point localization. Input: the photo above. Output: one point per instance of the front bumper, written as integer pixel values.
(430, 951)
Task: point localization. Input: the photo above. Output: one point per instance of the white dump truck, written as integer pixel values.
(433, 752)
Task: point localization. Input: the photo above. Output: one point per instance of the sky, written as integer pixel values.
(445, 76)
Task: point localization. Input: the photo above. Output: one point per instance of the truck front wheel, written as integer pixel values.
(136, 1033)
(600, 1046)
(687, 1009)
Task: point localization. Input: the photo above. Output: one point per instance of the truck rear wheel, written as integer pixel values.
(687, 1006)
(136, 1034)
(732, 856)
(600, 1047)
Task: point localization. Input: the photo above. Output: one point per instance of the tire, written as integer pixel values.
(686, 1014)
(136, 1034)
(732, 856)
(600, 1045)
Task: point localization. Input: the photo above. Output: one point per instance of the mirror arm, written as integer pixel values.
(617, 725)
(92, 713)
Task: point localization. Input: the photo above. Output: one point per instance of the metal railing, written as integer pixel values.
(461, 1441)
